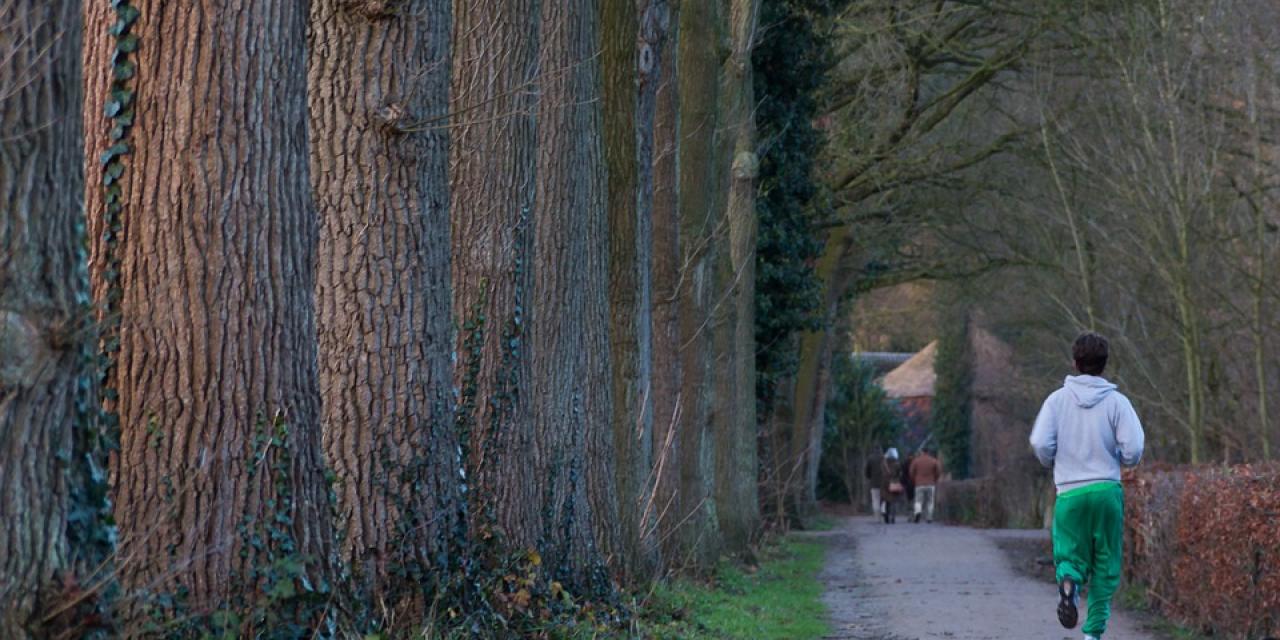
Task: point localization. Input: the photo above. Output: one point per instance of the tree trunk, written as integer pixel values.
(379, 164)
(775, 457)
(737, 495)
(219, 480)
(808, 397)
(531, 270)
(662, 507)
(701, 183)
(628, 67)
(569, 319)
(42, 302)
(492, 168)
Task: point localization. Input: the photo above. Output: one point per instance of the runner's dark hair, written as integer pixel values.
(1090, 352)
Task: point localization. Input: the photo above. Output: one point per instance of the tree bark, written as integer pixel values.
(628, 68)
(661, 505)
(216, 368)
(701, 181)
(531, 270)
(807, 398)
(569, 319)
(42, 301)
(737, 468)
(379, 92)
(492, 169)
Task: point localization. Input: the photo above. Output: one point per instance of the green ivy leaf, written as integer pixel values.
(128, 14)
(115, 150)
(123, 96)
(125, 70)
(113, 107)
(128, 44)
(283, 590)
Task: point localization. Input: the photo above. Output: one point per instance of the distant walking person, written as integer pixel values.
(891, 489)
(1086, 431)
(925, 473)
(875, 477)
(905, 478)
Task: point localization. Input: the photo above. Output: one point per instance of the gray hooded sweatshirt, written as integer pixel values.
(1085, 431)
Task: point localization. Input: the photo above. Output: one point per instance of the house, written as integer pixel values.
(911, 386)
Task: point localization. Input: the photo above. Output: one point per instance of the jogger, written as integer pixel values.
(1086, 431)
(1088, 531)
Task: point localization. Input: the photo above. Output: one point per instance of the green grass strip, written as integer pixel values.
(781, 599)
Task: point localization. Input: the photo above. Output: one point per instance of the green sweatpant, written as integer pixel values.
(1088, 529)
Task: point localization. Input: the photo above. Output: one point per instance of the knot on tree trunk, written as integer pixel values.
(373, 9)
(393, 117)
(26, 358)
(746, 166)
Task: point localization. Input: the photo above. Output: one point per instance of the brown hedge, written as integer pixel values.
(1205, 543)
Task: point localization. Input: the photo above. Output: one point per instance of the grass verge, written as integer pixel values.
(782, 598)
(1134, 598)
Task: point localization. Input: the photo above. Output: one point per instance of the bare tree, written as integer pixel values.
(736, 443)
(44, 375)
(633, 37)
(530, 274)
(219, 479)
(379, 92)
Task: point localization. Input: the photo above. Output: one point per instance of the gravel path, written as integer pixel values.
(922, 581)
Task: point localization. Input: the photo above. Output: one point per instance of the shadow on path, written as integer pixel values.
(922, 581)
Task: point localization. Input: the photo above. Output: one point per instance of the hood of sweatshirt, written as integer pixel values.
(1088, 391)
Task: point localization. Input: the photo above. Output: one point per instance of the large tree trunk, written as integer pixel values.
(661, 506)
(737, 495)
(701, 184)
(379, 84)
(569, 319)
(492, 168)
(42, 302)
(216, 369)
(628, 69)
(530, 278)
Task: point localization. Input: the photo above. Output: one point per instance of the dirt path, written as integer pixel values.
(920, 581)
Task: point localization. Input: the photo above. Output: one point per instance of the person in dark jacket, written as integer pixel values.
(891, 489)
(874, 473)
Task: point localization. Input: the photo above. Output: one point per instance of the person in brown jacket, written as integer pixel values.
(925, 473)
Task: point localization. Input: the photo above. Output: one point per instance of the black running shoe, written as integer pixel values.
(1068, 614)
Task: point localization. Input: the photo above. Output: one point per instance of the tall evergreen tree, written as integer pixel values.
(951, 413)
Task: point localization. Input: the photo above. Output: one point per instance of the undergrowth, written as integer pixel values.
(781, 598)
(1133, 597)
